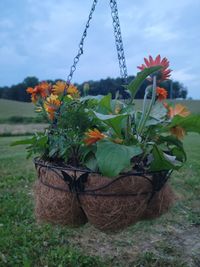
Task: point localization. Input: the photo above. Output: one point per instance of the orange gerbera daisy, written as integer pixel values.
(178, 131)
(164, 73)
(161, 93)
(92, 136)
(59, 88)
(73, 90)
(41, 90)
(52, 104)
(178, 109)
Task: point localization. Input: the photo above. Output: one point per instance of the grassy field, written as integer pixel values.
(10, 108)
(170, 241)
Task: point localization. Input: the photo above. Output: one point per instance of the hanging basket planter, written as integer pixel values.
(108, 136)
(70, 196)
(160, 203)
(54, 203)
(112, 205)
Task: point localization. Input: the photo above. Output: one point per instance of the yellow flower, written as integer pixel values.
(51, 104)
(72, 90)
(59, 88)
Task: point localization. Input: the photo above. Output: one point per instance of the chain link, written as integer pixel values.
(81, 44)
(118, 40)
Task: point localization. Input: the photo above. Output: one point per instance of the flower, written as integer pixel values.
(92, 136)
(41, 90)
(72, 90)
(164, 73)
(178, 131)
(178, 110)
(51, 104)
(161, 93)
(59, 88)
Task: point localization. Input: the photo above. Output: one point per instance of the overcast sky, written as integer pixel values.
(40, 38)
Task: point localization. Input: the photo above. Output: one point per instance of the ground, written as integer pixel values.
(172, 240)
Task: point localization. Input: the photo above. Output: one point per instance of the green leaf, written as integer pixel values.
(179, 153)
(113, 121)
(190, 123)
(29, 141)
(158, 111)
(91, 97)
(162, 161)
(171, 140)
(105, 104)
(134, 86)
(113, 158)
(91, 162)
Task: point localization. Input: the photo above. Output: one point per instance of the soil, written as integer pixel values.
(125, 247)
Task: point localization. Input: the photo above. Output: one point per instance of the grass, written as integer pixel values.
(172, 240)
(10, 108)
(21, 112)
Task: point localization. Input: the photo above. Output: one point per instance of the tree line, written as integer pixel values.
(102, 87)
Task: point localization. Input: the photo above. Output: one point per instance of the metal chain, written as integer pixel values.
(81, 44)
(118, 39)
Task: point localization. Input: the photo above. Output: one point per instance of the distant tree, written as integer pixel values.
(102, 87)
(30, 81)
(175, 89)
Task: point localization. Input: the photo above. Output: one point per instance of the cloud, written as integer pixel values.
(184, 75)
(41, 38)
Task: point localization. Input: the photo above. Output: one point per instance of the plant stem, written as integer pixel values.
(128, 127)
(140, 130)
(143, 109)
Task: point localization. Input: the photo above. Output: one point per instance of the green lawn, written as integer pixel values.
(9, 108)
(172, 240)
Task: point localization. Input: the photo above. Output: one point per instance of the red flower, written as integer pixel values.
(161, 93)
(164, 73)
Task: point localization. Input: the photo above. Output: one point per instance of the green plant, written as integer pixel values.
(90, 131)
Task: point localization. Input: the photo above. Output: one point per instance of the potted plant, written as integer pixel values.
(102, 158)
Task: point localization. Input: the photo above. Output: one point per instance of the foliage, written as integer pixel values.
(109, 135)
(103, 87)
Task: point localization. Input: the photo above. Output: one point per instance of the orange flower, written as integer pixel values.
(59, 88)
(178, 110)
(164, 73)
(41, 90)
(161, 93)
(92, 136)
(51, 105)
(72, 90)
(178, 131)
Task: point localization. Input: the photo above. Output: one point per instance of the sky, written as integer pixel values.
(40, 38)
